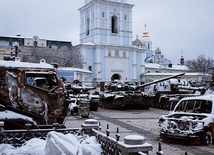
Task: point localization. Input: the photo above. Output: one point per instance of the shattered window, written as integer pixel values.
(42, 81)
(195, 106)
(181, 106)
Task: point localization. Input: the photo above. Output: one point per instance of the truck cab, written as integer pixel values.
(33, 90)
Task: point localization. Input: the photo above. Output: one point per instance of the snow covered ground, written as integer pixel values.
(55, 144)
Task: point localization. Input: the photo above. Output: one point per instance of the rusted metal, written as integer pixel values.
(33, 90)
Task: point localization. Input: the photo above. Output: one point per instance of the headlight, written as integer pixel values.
(197, 125)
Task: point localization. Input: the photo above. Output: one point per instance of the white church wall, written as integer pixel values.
(117, 66)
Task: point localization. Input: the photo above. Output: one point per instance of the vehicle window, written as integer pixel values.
(189, 106)
(181, 106)
(42, 81)
(194, 106)
(204, 106)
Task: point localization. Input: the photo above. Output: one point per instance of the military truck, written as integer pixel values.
(30, 92)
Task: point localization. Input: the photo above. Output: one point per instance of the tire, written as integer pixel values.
(207, 138)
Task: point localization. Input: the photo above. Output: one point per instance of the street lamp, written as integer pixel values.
(16, 45)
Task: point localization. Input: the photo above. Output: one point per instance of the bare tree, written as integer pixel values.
(64, 57)
(201, 64)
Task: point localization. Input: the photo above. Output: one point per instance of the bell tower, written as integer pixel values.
(106, 22)
(106, 41)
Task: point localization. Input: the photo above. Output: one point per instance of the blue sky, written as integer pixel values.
(173, 25)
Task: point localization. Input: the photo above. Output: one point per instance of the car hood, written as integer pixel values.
(186, 122)
(185, 116)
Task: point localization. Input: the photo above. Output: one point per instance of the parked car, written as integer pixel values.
(192, 118)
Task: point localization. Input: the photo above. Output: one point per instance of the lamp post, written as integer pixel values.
(16, 45)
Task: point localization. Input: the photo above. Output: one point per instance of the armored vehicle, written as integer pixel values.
(123, 95)
(33, 92)
(167, 93)
(129, 95)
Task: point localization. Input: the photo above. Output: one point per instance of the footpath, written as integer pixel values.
(139, 122)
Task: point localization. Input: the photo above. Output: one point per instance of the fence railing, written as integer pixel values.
(132, 145)
(18, 137)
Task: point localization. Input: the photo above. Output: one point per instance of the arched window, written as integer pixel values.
(87, 26)
(114, 24)
(116, 53)
(90, 68)
(10, 42)
(35, 44)
(124, 54)
(109, 53)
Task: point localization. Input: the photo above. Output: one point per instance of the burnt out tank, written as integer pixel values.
(166, 94)
(31, 92)
(123, 95)
(120, 95)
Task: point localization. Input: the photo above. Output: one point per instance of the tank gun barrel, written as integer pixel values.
(162, 79)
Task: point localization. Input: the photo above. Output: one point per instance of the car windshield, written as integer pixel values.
(194, 106)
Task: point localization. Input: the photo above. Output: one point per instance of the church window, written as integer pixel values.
(87, 26)
(109, 53)
(124, 54)
(103, 14)
(114, 24)
(116, 53)
(125, 17)
(10, 42)
(90, 68)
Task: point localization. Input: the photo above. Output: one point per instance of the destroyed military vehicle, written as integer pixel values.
(166, 94)
(128, 95)
(191, 119)
(30, 93)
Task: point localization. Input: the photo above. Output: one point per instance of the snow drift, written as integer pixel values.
(56, 144)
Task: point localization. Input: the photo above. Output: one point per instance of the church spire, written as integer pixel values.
(145, 37)
(145, 33)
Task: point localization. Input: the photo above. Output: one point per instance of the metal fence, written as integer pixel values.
(113, 146)
(109, 145)
(19, 137)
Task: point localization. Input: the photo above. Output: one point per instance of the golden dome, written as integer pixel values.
(145, 37)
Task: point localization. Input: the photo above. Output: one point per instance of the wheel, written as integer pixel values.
(207, 138)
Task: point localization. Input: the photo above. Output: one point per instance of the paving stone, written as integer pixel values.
(138, 122)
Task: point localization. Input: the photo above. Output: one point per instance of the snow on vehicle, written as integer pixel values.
(81, 101)
(162, 93)
(129, 95)
(192, 118)
(33, 90)
(79, 105)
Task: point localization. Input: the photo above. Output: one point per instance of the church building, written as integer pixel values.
(106, 41)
